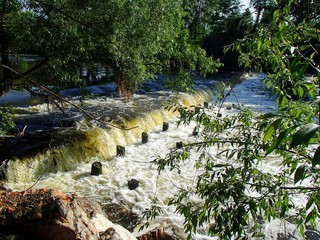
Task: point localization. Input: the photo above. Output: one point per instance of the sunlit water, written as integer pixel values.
(112, 185)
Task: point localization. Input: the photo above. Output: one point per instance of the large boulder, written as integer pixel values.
(52, 215)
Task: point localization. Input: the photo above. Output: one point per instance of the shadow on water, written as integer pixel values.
(312, 234)
(121, 215)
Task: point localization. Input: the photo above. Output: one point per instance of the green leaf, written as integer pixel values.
(259, 46)
(269, 148)
(271, 130)
(312, 55)
(304, 134)
(300, 91)
(310, 216)
(284, 134)
(299, 173)
(255, 172)
(202, 215)
(221, 165)
(310, 202)
(312, 32)
(279, 139)
(316, 157)
(275, 14)
(301, 229)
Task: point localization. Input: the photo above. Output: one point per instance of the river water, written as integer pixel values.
(111, 187)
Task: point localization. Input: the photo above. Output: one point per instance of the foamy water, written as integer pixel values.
(112, 185)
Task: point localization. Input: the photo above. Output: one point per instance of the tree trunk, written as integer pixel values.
(6, 74)
(123, 85)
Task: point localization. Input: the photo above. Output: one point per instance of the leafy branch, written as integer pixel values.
(235, 191)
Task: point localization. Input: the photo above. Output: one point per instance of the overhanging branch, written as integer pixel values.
(53, 94)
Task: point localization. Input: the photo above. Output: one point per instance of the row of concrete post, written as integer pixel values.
(96, 168)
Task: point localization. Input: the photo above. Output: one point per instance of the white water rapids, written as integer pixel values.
(112, 185)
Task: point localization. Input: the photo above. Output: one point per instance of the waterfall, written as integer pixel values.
(111, 187)
(142, 114)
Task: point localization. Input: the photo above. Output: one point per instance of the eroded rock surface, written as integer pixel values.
(52, 215)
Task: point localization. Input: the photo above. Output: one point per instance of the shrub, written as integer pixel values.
(6, 121)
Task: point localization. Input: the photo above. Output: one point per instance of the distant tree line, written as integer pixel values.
(135, 39)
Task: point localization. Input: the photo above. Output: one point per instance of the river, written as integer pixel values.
(111, 190)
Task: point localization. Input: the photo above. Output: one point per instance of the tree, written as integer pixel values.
(6, 121)
(224, 31)
(307, 10)
(205, 17)
(7, 10)
(216, 24)
(260, 7)
(302, 10)
(136, 39)
(236, 193)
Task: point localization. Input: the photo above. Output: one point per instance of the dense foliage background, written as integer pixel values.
(135, 39)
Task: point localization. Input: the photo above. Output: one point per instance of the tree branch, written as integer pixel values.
(300, 188)
(68, 16)
(51, 93)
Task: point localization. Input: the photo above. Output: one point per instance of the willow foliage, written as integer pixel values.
(236, 194)
(136, 39)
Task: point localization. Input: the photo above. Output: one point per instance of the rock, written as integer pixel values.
(121, 151)
(159, 233)
(165, 126)
(113, 231)
(133, 184)
(179, 145)
(44, 214)
(52, 215)
(121, 215)
(109, 233)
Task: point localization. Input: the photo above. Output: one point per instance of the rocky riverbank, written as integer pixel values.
(52, 215)
(47, 214)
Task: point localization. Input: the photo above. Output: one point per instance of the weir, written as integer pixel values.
(111, 189)
(143, 114)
